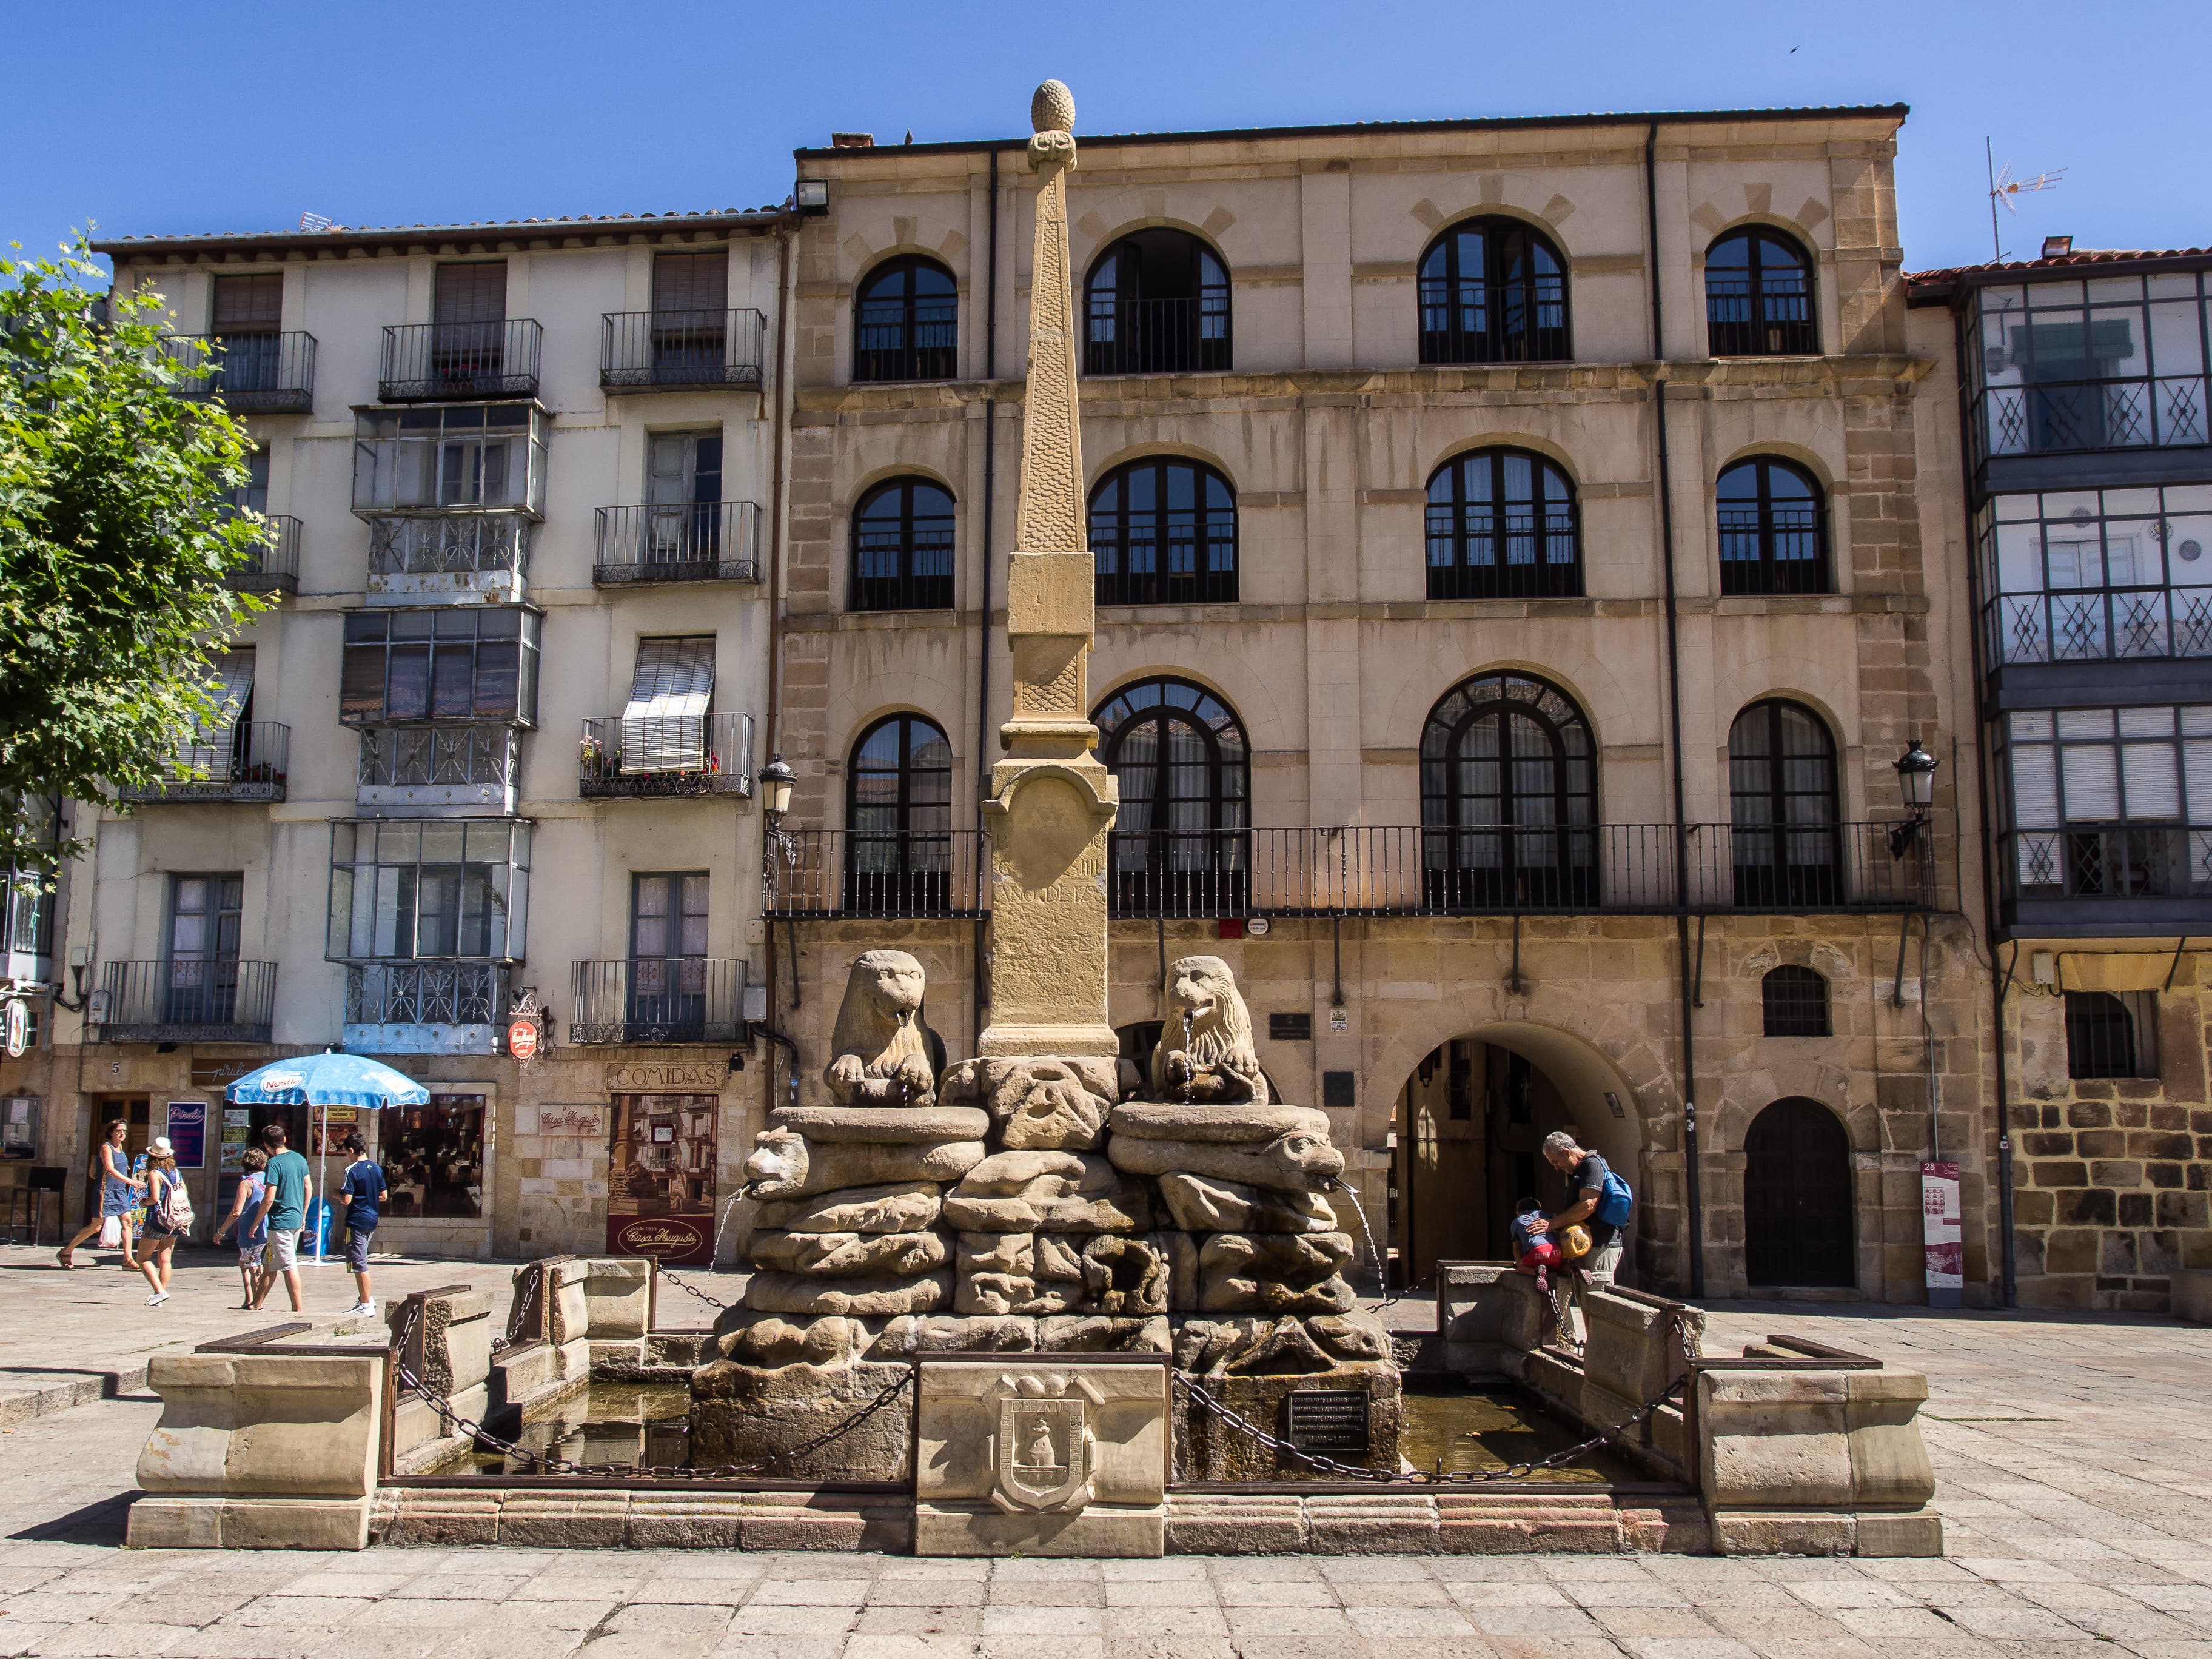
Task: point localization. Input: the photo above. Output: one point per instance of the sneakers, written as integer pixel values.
(361, 1310)
(157, 1298)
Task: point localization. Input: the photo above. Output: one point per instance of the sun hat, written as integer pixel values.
(161, 1148)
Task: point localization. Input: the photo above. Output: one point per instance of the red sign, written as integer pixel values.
(522, 1038)
(678, 1240)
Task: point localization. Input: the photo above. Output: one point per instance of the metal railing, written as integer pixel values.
(2146, 412)
(185, 1001)
(689, 542)
(254, 374)
(841, 872)
(2099, 625)
(425, 362)
(656, 999)
(425, 993)
(660, 755)
(2115, 861)
(458, 544)
(437, 756)
(1157, 337)
(648, 350)
(247, 762)
(275, 568)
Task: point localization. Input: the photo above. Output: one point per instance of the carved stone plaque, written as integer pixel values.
(1328, 1420)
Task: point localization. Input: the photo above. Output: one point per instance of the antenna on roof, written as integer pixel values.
(315, 221)
(2004, 187)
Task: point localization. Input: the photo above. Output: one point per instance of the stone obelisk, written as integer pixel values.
(1052, 801)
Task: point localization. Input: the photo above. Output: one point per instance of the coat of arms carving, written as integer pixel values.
(1044, 1448)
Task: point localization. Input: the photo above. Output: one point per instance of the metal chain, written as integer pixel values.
(713, 1256)
(519, 1319)
(456, 1423)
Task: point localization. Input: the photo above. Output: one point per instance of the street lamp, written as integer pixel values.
(1916, 784)
(776, 779)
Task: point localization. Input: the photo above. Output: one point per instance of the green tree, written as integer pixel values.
(116, 537)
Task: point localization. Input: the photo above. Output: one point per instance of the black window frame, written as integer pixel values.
(1127, 331)
(2110, 1035)
(912, 585)
(1177, 867)
(1509, 307)
(373, 636)
(1793, 1002)
(1206, 581)
(1457, 526)
(907, 315)
(1471, 862)
(1764, 329)
(1779, 855)
(903, 866)
(1760, 533)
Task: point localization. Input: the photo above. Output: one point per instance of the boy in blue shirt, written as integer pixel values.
(362, 1188)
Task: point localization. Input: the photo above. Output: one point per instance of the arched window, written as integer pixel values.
(1759, 296)
(1164, 532)
(902, 547)
(1797, 1208)
(1796, 1001)
(1774, 535)
(1156, 303)
(906, 322)
(1509, 797)
(1493, 291)
(1180, 758)
(1783, 808)
(899, 819)
(1502, 526)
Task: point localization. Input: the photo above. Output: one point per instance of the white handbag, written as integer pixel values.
(110, 1233)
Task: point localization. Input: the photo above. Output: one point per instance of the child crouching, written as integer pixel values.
(1533, 1249)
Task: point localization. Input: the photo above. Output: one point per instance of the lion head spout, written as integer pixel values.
(882, 1047)
(1217, 1062)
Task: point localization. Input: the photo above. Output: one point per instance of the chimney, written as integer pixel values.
(2057, 247)
(851, 141)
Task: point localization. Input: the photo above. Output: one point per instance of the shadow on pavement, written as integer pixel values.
(95, 1524)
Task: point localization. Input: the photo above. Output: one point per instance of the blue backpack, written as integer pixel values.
(1614, 1207)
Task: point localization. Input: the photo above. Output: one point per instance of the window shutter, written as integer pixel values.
(474, 293)
(2093, 783)
(2197, 770)
(2034, 785)
(691, 281)
(664, 727)
(2151, 775)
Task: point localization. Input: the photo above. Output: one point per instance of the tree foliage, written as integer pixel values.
(116, 536)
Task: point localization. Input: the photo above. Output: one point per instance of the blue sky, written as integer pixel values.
(215, 116)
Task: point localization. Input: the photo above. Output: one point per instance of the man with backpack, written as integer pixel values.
(1602, 1202)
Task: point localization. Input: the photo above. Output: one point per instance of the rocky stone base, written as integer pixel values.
(1253, 1365)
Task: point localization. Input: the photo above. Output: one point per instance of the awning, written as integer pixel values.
(664, 726)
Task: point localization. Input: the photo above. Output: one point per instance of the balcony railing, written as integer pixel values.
(275, 566)
(246, 762)
(663, 755)
(1157, 337)
(464, 553)
(425, 993)
(438, 765)
(839, 872)
(693, 542)
(181, 1002)
(2165, 411)
(2102, 625)
(2131, 861)
(429, 362)
(666, 350)
(689, 999)
(253, 374)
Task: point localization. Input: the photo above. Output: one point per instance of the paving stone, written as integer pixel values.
(1043, 1621)
(1046, 1593)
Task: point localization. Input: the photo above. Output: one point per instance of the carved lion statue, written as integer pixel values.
(882, 1047)
(1219, 1065)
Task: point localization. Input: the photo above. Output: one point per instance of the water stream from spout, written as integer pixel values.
(1190, 1066)
(1359, 1210)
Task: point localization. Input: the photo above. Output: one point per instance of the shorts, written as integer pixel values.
(155, 1233)
(283, 1250)
(249, 1255)
(1542, 1255)
(357, 1248)
(1602, 1263)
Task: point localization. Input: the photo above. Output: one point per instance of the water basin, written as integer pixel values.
(1470, 1426)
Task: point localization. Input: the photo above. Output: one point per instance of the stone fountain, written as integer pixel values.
(1044, 1231)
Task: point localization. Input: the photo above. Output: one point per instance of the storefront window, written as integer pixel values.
(661, 1190)
(433, 1157)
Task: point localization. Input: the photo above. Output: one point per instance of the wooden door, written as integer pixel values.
(1797, 1198)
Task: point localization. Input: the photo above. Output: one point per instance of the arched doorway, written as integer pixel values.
(1797, 1210)
(1470, 1127)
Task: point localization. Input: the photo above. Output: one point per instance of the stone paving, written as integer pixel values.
(2072, 1451)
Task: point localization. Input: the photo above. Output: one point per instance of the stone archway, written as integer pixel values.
(1471, 1120)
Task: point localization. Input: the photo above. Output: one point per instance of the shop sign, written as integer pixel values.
(522, 1038)
(678, 1239)
(19, 1027)
(584, 1120)
(188, 1133)
(671, 1078)
(220, 1074)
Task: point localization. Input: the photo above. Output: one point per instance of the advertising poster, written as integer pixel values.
(660, 1171)
(237, 1124)
(188, 1133)
(1942, 1234)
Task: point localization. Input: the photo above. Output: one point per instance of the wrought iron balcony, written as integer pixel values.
(664, 755)
(2109, 861)
(668, 350)
(2058, 417)
(1157, 337)
(463, 554)
(438, 766)
(657, 1001)
(693, 542)
(442, 1006)
(248, 762)
(839, 872)
(181, 1002)
(430, 362)
(2099, 625)
(275, 568)
(253, 373)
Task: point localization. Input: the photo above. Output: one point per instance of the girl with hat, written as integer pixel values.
(168, 1218)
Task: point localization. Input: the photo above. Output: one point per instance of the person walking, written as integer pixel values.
(119, 1196)
(283, 1211)
(168, 1218)
(362, 1187)
(252, 1226)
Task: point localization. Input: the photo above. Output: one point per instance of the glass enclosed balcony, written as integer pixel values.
(485, 457)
